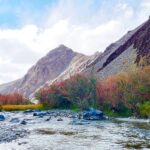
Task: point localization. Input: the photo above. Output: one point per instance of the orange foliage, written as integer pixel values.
(128, 89)
(108, 91)
(12, 99)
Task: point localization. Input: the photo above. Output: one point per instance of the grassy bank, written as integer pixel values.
(20, 107)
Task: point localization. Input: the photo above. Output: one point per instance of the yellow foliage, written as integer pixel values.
(20, 107)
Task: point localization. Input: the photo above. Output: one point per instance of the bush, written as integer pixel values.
(53, 96)
(82, 91)
(136, 89)
(145, 110)
(78, 90)
(124, 93)
(13, 99)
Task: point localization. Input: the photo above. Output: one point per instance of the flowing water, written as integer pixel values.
(115, 134)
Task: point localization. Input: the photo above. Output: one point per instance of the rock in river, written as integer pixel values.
(2, 118)
(59, 119)
(23, 122)
(40, 114)
(48, 119)
(93, 114)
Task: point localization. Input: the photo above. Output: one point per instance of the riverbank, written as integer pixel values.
(33, 107)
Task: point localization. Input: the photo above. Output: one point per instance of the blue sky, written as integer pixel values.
(16, 13)
(31, 28)
(12, 12)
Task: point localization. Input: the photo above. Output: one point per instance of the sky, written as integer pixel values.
(31, 28)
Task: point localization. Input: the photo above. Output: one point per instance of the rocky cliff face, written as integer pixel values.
(62, 62)
(127, 51)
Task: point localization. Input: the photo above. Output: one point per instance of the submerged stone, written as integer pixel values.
(48, 119)
(14, 120)
(28, 111)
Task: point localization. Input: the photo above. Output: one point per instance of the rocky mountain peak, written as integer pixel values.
(60, 50)
(46, 69)
(62, 46)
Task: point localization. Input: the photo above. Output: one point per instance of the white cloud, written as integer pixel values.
(22, 47)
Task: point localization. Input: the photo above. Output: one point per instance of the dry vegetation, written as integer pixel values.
(20, 107)
(13, 99)
(126, 93)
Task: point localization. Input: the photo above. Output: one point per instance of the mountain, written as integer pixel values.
(62, 62)
(46, 69)
(77, 65)
(122, 54)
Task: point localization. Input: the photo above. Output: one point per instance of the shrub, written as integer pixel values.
(123, 93)
(78, 90)
(82, 91)
(136, 89)
(13, 99)
(145, 109)
(110, 93)
(53, 96)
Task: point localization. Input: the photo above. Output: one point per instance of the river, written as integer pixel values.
(62, 132)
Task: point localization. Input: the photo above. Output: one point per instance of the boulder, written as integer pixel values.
(59, 119)
(2, 117)
(93, 114)
(23, 122)
(40, 114)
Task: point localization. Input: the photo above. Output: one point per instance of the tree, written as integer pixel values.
(12, 99)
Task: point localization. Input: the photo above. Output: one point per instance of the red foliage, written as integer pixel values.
(12, 99)
(108, 91)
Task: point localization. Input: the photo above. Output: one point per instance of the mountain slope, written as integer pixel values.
(127, 51)
(47, 68)
(77, 65)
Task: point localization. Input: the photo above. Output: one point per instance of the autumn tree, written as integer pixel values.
(12, 99)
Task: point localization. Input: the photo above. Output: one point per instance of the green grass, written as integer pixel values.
(75, 108)
(20, 107)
